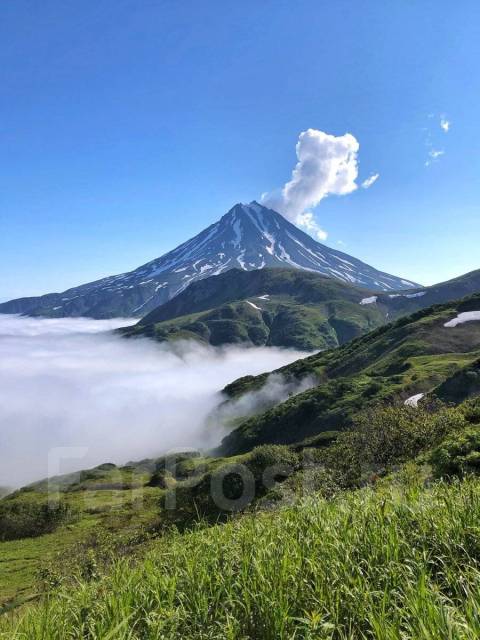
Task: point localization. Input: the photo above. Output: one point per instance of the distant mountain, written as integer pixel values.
(401, 303)
(434, 351)
(247, 237)
(273, 307)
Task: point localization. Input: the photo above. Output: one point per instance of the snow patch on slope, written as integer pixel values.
(467, 316)
(414, 400)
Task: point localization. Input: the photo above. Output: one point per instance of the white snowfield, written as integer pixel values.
(254, 305)
(419, 294)
(414, 400)
(467, 316)
(370, 300)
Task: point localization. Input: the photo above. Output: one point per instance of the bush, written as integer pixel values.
(28, 520)
(230, 487)
(385, 436)
(458, 455)
(471, 410)
(269, 456)
(161, 479)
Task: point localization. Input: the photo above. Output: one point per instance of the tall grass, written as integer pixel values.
(384, 564)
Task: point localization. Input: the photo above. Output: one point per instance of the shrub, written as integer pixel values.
(372, 389)
(161, 479)
(471, 410)
(28, 520)
(230, 487)
(385, 436)
(458, 455)
(269, 456)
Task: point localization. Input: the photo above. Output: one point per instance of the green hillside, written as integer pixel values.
(414, 355)
(273, 307)
(395, 559)
(288, 308)
(351, 537)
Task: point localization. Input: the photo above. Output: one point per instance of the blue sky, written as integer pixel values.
(127, 127)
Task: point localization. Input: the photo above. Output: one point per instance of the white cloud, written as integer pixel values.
(445, 124)
(327, 165)
(434, 155)
(431, 135)
(71, 383)
(366, 184)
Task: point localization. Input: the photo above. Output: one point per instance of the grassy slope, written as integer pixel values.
(394, 563)
(105, 500)
(303, 310)
(413, 355)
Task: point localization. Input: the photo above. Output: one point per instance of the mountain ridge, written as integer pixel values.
(266, 307)
(314, 311)
(247, 236)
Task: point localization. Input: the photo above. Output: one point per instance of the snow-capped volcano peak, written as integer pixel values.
(250, 236)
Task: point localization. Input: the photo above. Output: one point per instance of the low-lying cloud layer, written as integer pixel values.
(72, 383)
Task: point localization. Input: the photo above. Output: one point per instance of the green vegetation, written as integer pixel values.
(463, 384)
(104, 500)
(458, 455)
(273, 307)
(413, 355)
(393, 563)
(343, 536)
(27, 519)
(224, 486)
(382, 438)
(295, 309)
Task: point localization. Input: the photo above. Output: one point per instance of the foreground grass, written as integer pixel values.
(393, 563)
(99, 512)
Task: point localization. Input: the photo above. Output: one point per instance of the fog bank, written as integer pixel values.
(72, 383)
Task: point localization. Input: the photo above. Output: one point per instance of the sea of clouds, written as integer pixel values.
(74, 394)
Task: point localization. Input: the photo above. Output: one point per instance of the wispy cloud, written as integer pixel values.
(366, 184)
(432, 139)
(445, 124)
(434, 155)
(326, 165)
